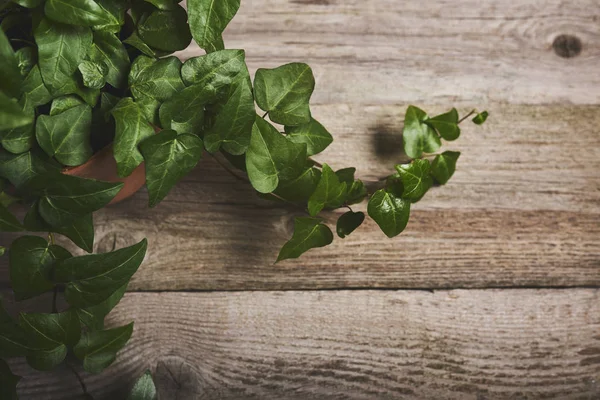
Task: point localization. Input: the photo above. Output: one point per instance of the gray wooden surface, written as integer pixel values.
(522, 214)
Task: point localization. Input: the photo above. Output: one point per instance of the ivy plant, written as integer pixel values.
(80, 75)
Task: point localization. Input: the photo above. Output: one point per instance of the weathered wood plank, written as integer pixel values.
(473, 344)
(390, 51)
(522, 209)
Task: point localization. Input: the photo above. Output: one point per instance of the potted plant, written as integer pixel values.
(92, 106)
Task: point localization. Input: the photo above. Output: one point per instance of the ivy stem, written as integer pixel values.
(79, 378)
(265, 115)
(316, 163)
(467, 116)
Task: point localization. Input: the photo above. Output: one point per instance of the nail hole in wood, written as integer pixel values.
(567, 46)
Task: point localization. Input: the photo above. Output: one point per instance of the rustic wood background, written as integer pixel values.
(493, 291)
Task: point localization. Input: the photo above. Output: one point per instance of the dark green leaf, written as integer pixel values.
(93, 74)
(218, 69)
(12, 341)
(444, 165)
(91, 279)
(19, 140)
(316, 137)
(184, 112)
(132, 128)
(107, 103)
(164, 4)
(93, 317)
(66, 136)
(9, 381)
(29, 3)
(309, 233)
(481, 118)
(115, 11)
(208, 20)
(99, 349)
(415, 178)
(144, 388)
(301, 188)
(346, 175)
(19, 169)
(77, 12)
(109, 50)
(391, 213)
(61, 48)
(284, 92)
(446, 125)
(418, 137)
(26, 59)
(8, 222)
(218, 45)
(348, 222)
(49, 335)
(31, 259)
(135, 41)
(356, 193)
(166, 30)
(272, 158)
(64, 103)
(330, 192)
(169, 157)
(11, 114)
(11, 80)
(35, 93)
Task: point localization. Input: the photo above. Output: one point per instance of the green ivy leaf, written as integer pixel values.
(11, 114)
(19, 140)
(184, 112)
(272, 158)
(284, 92)
(348, 222)
(49, 336)
(77, 12)
(91, 279)
(300, 189)
(99, 349)
(35, 93)
(208, 19)
(481, 118)
(66, 136)
(415, 178)
(166, 30)
(391, 213)
(28, 3)
(11, 80)
(93, 74)
(64, 103)
(144, 388)
(330, 192)
(30, 262)
(109, 50)
(26, 59)
(132, 127)
(169, 157)
(19, 169)
(12, 341)
(418, 137)
(164, 4)
(9, 382)
(309, 233)
(8, 222)
(218, 69)
(115, 11)
(446, 125)
(135, 41)
(356, 188)
(444, 165)
(316, 137)
(61, 48)
(93, 317)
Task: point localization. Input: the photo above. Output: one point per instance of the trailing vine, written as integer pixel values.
(81, 75)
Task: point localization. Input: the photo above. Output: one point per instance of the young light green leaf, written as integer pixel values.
(444, 165)
(272, 158)
(35, 93)
(8, 222)
(301, 188)
(208, 19)
(348, 222)
(26, 59)
(219, 69)
(109, 50)
(12, 114)
(91, 279)
(446, 125)
(184, 112)
(144, 388)
(19, 140)
(418, 137)
(93, 317)
(330, 192)
(481, 118)
(61, 48)
(316, 137)
(49, 336)
(166, 30)
(391, 213)
(93, 74)
(30, 262)
(99, 349)
(169, 157)
(11, 80)
(284, 92)
(77, 12)
(309, 233)
(8, 382)
(415, 178)
(66, 136)
(132, 127)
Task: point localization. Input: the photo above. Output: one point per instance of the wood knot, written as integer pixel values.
(567, 46)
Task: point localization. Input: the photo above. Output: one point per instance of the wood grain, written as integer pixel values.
(460, 344)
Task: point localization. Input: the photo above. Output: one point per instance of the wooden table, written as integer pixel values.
(492, 292)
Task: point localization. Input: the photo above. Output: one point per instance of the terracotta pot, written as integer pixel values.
(103, 167)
